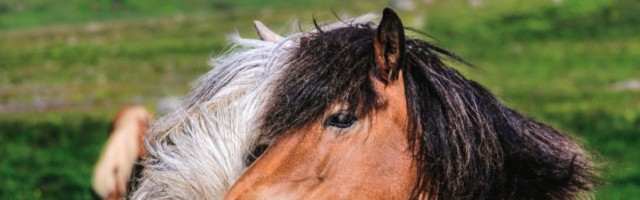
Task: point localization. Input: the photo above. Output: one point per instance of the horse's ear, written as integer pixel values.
(265, 33)
(389, 45)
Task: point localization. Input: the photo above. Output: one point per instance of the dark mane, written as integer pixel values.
(468, 145)
(471, 146)
(328, 67)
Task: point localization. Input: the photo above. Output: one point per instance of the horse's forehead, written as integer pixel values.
(328, 67)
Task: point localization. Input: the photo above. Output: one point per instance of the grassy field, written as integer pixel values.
(66, 68)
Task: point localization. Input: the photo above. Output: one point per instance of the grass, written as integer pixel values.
(66, 68)
(50, 159)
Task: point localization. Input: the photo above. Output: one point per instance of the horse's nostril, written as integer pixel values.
(255, 153)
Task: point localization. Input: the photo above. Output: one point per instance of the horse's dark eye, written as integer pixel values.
(340, 120)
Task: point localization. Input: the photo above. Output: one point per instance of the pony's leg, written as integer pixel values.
(124, 148)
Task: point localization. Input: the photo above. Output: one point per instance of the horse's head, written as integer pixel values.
(336, 122)
(363, 112)
(200, 149)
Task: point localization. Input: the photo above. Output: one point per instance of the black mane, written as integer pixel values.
(468, 145)
(328, 67)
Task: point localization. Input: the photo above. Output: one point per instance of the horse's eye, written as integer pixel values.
(340, 120)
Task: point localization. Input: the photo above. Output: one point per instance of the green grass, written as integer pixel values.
(49, 159)
(66, 67)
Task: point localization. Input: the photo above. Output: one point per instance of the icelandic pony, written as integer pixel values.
(124, 148)
(200, 149)
(362, 112)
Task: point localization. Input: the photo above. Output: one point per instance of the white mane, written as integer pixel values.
(199, 150)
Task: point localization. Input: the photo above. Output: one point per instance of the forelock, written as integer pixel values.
(329, 66)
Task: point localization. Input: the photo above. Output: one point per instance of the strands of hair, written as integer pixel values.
(471, 146)
(199, 150)
(467, 144)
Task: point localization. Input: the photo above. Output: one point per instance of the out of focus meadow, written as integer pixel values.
(66, 66)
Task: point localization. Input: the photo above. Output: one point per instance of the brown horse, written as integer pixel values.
(113, 171)
(362, 112)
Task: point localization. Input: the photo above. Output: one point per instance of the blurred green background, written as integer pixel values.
(66, 66)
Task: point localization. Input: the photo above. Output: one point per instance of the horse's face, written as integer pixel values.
(344, 154)
(340, 156)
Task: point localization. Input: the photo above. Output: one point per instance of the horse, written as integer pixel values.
(117, 162)
(353, 110)
(365, 112)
